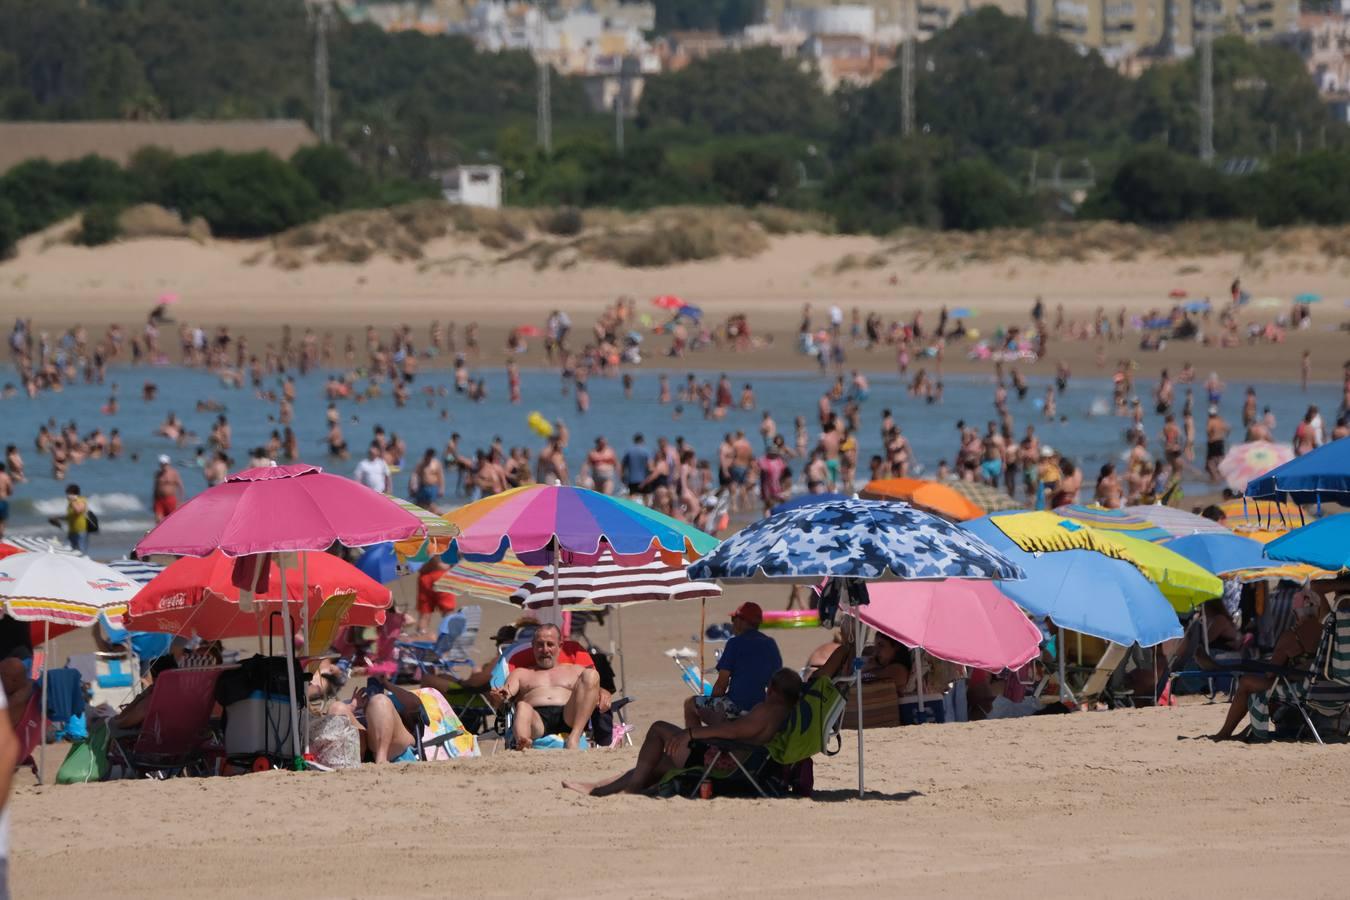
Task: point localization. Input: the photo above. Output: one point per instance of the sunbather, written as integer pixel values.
(550, 697)
(18, 687)
(133, 714)
(1295, 649)
(379, 720)
(668, 747)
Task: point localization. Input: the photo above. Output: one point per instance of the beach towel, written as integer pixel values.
(441, 720)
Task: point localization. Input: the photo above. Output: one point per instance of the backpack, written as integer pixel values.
(810, 725)
(91, 521)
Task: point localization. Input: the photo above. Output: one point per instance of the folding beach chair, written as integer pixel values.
(810, 728)
(453, 647)
(177, 725)
(441, 735)
(1320, 696)
(111, 678)
(29, 732)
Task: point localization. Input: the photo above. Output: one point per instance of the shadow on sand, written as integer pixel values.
(852, 794)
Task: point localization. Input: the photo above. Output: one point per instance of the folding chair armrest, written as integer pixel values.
(442, 739)
(1260, 668)
(729, 745)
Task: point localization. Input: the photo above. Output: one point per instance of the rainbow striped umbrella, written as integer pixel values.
(1114, 520)
(540, 522)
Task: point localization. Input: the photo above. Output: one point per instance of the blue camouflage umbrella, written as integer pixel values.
(854, 540)
(806, 500)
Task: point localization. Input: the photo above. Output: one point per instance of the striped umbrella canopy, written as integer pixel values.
(19, 544)
(934, 496)
(990, 499)
(491, 581)
(1117, 520)
(138, 570)
(610, 582)
(1176, 522)
(539, 521)
(61, 588)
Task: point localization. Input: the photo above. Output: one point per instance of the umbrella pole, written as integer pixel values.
(702, 629)
(42, 718)
(618, 621)
(859, 638)
(918, 671)
(304, 598)
(288, 630)
(1063, 684)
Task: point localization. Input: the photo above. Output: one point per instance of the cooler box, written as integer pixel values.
(260, 724)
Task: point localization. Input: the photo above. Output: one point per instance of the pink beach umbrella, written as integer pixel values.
(168, 299)
(280, 510)
(971, 623)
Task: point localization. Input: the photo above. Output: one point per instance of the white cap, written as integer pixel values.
(1047, 451)
(164, 459)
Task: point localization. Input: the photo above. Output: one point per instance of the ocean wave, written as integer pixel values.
(102, 505)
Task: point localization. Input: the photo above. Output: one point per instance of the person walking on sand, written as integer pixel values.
(168, 489)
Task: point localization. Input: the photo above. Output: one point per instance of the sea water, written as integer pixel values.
(120, 490)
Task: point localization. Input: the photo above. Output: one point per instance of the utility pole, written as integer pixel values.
(320, 12)
(544, 111)
(620, 98)
(907, 70)
(1206, 86)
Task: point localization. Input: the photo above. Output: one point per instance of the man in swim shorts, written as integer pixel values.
(550, 697)
(168, 489)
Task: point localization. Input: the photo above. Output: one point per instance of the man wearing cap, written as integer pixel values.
(168, 489)
(743, 671)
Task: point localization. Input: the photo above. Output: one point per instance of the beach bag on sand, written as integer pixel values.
(87, 760)
(334, 742)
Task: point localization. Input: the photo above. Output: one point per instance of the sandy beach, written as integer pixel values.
(1101, 804)
(232, 283)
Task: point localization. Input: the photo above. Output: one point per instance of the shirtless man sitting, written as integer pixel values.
(550, 697)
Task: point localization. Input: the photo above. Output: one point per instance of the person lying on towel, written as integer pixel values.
(669, 747)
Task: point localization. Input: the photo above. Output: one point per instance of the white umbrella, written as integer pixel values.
(62, 589)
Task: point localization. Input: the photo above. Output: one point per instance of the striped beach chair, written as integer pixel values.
(1323, 694)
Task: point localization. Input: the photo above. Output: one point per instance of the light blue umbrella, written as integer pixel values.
(854, 540)
(1082, 590)
(1220, 553)
(1308, 298)
(1325, 544)
(379, 562)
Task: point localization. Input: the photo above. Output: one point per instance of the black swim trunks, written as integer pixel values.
(554, 719)
(1214, 450)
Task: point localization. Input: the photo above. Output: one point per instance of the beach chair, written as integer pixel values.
(1320, 696)
(809, 730)
(29, 733)
(453, 646)
(441, 735)
(112, 679)
(177, 725)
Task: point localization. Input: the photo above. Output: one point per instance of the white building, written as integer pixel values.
(473, 186)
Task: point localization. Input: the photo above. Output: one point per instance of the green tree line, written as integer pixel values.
(993, 102)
